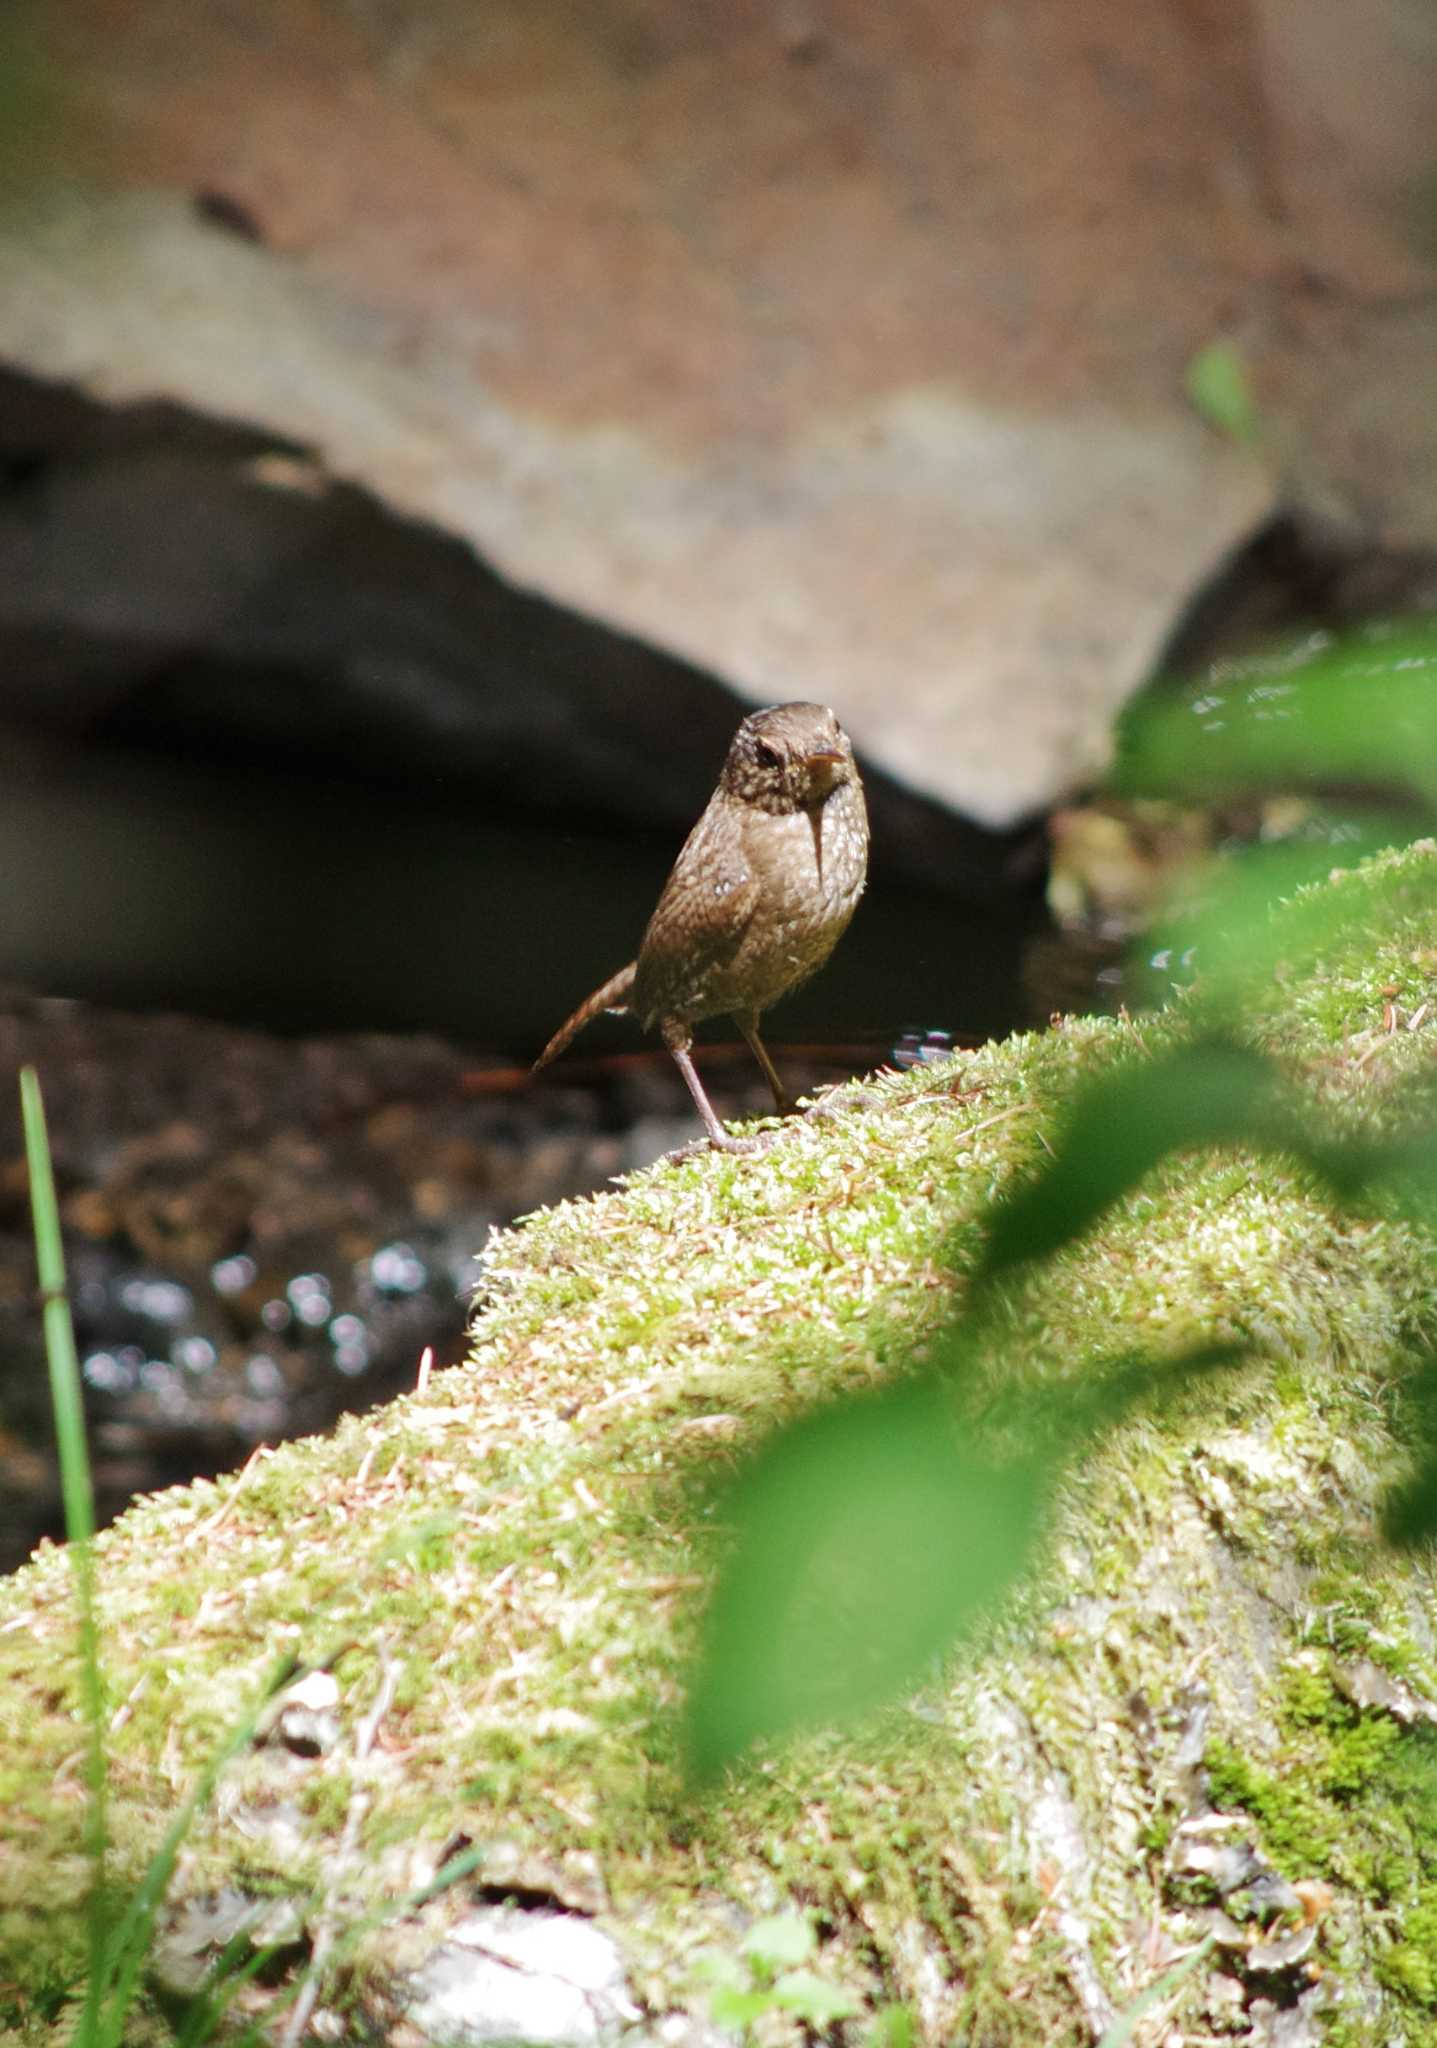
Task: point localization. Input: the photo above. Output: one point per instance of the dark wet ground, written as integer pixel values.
(263, 1232)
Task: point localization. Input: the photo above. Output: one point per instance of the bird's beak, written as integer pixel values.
(823, 765)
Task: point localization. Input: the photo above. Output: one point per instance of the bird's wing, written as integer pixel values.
(697, 925)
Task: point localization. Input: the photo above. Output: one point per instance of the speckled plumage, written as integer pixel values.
(760, 894)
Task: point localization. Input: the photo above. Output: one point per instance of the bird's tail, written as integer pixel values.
(612, 996)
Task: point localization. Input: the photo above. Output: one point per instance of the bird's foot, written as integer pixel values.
(747, 1147)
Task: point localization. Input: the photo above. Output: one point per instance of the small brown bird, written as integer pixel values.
(758, 898)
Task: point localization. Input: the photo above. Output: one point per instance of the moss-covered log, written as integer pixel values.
(1212, 1713)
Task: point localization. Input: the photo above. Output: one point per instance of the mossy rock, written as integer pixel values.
(511, 1564)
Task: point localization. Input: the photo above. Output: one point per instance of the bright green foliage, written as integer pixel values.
(1361, 711)
(839, 1623)
(771, 1973)
(1354, 1801)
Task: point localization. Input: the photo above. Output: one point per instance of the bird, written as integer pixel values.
(762, 891)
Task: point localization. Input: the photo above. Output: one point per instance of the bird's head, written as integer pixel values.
(788, 758)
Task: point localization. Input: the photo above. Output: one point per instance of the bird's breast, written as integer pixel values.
(810, 868)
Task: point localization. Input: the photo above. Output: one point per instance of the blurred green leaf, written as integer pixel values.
(1260, 920)
(892, 2028)
(1214, 1093)
(1126, 2024)
(780, 1941)
(1409, 1513)
(813, 1998)
(869, 1537)
(875, 1533)
(731, 2007)
(1403, 1172)
(1360, 710)
(1210, 1093)
(1218, 387)
(723, 1971)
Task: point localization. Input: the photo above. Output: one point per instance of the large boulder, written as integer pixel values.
(840, 351)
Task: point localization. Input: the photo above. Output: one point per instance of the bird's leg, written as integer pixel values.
(678, 1040)
(747, 1022)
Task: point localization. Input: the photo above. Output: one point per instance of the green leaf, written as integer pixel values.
(780, 1941)
(1409, 1512)
(1123, 2027)
(1218, 388)
(729, 2007)
(869, 1538)
(1214, 1093)
(892, 2028)
(1240, 942)
(1209, 1093)
(813, 1998)
(1359, 711)
(718, 1969)
(77, 1493)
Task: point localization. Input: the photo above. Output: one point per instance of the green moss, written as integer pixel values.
(531, 1540)
(1352, 1799)
(1156, 1833)
(325, 1799)
(1298, 1830)
(1410, 1965)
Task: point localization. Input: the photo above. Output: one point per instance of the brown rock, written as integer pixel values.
(825, 346)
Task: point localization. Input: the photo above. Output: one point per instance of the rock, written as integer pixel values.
(509, 1974)
(780, 346)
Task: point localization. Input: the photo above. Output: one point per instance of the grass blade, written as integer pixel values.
(127, 1949)
(79, 1503)
(1124, 2026)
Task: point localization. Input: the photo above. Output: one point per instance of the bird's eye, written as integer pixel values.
(769, 756)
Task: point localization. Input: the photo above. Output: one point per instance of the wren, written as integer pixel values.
(758, 898)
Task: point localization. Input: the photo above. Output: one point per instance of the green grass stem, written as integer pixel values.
(78, 1497)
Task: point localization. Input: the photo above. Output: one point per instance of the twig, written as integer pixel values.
(221, 1514)
(999, 1116)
